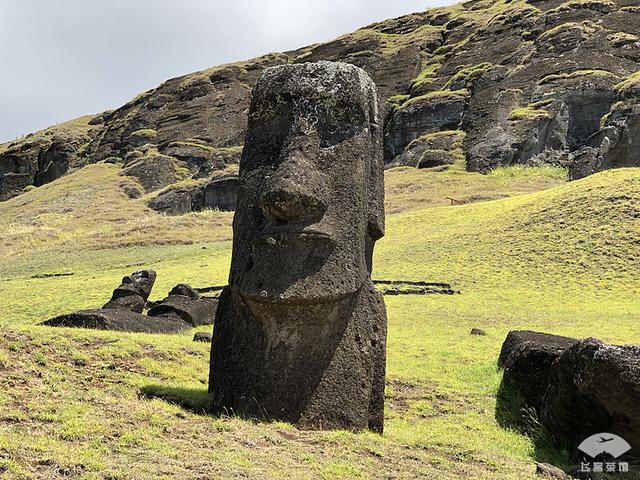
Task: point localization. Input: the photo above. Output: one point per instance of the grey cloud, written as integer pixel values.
(66, 58)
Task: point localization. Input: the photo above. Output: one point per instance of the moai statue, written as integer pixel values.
(133, 292)
(185, 303)
(300, 332)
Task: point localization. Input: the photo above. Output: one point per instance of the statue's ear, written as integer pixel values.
(375, 207)
(375, 202)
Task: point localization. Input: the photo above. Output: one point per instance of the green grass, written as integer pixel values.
(469, 74)
(528, 112)
(577, 74)
(630, 85)
(144, 133)
(553, 256)
(439, 95)
(517, 171)
(598, 5)
(409, 189)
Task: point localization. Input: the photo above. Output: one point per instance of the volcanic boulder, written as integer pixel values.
(527, 358)
(578, 388)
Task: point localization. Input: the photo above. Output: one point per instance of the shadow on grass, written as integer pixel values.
(512, 413)
(196, 400)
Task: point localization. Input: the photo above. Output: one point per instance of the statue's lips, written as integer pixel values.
(278, 234)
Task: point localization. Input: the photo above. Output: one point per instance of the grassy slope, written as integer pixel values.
(73, 402)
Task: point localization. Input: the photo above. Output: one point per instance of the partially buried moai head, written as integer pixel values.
(310, 205)
(133, 292)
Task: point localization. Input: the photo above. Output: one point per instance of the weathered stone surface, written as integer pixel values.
(185, 290)
(527, 358)
(221, 193)
(300, 330)
(578, 388)
(12, 184)
(119, 320)
(185, 303)
(201, 158)
(594, 388)
(432, 150)
(42, 157)
(423, 115)
(133, 292)
(181, 310)
(173, 202)
(153, 173)
(614, 146)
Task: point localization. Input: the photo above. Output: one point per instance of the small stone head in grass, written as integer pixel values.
(300, 331)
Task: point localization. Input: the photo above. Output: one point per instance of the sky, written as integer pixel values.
(66, 58)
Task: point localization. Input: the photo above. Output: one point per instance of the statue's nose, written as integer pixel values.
(295, 191)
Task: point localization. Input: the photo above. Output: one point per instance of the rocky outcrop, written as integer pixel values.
(173, 202)
(528, 82)
(219, 194)
(153, 172)
(43, 157)
(594, 388)
(615, 145)
(422, 115)
(432, 150)
(527, 359)
(578, 388)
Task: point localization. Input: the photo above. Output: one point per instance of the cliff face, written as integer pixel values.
(489, 82)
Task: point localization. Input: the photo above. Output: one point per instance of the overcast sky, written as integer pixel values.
(65, 58)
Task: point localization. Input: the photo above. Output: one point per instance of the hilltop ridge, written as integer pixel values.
(481, 83)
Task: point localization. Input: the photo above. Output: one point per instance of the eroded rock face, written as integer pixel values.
(133, 292)
(432, 150)
(423, 115)
(173, 202)
(221, 194)
(595, 388)
(614, 146)
(43, 157)
(153, 173)
(527, 358)
(300, 330)
(578, 388)
(501, 57)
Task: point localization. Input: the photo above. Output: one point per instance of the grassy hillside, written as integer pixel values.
(85, 404)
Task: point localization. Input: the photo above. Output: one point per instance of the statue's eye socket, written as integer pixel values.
(341, 123)
(338, 134)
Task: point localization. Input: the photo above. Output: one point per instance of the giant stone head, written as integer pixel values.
(310, 204)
